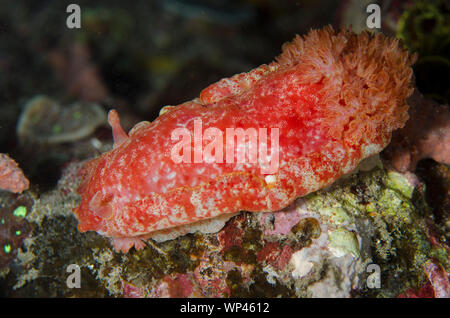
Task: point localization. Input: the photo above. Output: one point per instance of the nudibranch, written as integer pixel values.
(329, 100)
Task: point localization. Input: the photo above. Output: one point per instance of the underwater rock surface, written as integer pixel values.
(324, 245)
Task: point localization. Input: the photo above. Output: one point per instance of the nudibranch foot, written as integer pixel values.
(213, 225)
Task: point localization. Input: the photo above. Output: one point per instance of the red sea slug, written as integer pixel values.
(329, 100)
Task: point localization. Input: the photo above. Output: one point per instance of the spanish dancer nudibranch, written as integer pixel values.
(327, 102)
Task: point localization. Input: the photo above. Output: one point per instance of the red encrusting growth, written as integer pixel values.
(11, 176)
(335, 97)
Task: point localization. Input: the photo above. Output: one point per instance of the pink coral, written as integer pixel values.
(283, 221)
(426, 135)
(11, 176)
(439, 279)
(80, 76)
(131, 291)
(426, 291)
(438, 285)
(275, 254)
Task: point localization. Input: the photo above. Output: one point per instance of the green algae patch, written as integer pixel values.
(337, 215)
(20, 211)
(343, 242)
(396, 181)
(394, 205)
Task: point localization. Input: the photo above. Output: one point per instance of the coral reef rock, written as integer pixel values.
(366, 235)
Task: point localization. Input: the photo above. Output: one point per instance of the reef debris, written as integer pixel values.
(320, 246)
(45, 121)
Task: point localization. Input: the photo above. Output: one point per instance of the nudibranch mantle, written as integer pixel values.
(334, 98)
